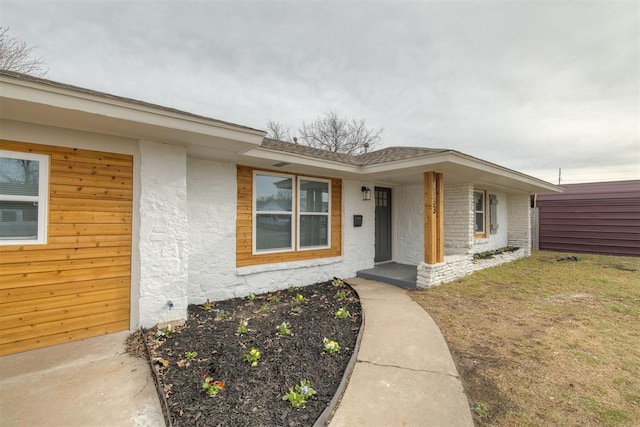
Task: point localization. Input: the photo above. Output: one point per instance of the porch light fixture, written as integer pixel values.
(366, 193)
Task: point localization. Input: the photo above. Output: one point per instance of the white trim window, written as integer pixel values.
(273, 212)
(289, 209)
(23, 198)
(314, 213)
(479, 211)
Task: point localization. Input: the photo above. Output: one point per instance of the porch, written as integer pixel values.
(403, 275)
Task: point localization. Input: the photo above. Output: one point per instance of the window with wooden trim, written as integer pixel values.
(479, 211)
(23, 198)
(290, 212)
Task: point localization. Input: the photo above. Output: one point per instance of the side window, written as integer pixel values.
(23, 198)
(479, 208)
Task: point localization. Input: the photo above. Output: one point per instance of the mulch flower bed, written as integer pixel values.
(233, 361)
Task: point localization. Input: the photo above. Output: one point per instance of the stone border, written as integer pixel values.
(457, 266)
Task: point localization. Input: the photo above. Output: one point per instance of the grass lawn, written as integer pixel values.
(546, 342)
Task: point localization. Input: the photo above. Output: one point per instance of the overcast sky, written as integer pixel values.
(530, 85)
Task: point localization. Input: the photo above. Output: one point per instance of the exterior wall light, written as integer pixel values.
(366, 193)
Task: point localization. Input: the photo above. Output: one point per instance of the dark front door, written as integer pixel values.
(383, 224)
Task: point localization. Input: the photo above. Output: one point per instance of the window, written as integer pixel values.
(479, 213)
(314, 208)
(273, 212)
(23, 197)
(286, 208)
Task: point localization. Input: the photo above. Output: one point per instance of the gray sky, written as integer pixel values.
(531, 85)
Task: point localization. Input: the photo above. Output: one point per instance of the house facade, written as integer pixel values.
(117, 214)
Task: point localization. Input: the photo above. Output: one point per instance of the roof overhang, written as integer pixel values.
(43, 102)
(456, 167)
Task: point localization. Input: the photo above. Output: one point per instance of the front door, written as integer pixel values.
(383, 224)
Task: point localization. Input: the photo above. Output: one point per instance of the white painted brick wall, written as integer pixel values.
(499, 239)
(212, 195)
(212, 215)
(358, 243)
(519, 222)
(409, 243)
(163, 241)
(458, 218)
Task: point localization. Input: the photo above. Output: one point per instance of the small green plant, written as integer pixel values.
(220, 314)
(274, 298)
(300, 298)
(296, 309)
(283, 329)
(190, 355)
(340, 295)
(164, 332)
(211, 386)
(329, 346)
(292, 289)
(243, 327)
(253, 356)
(207, 306)
(492, 253)
(264, 307)
(337, 282)
(481, 409)
(251, 297)
(342, 313)
(298, 395)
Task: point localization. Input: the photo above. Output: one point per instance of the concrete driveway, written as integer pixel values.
(92, 382)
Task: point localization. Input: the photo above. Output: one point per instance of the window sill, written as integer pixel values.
(264, 268)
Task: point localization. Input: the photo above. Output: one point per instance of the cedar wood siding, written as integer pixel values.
(77, 285)
(596, 217)
(244, 225)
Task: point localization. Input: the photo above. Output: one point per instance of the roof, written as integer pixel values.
(54, 84)
(385, 155)
(596, 190)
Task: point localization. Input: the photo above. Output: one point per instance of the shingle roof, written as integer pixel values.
(391, 154)
(304, 150)
(384, 155)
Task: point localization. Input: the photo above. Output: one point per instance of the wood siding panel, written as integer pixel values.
(596, 217)
(244, 225)
(77, 285)
(34, 293)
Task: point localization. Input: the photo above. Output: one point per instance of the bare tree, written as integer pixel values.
(339, 134)
(16, 55)
(277, 130)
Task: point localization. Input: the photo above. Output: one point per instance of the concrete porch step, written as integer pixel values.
(393, 273)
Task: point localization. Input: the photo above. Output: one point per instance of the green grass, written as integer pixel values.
(544, 342)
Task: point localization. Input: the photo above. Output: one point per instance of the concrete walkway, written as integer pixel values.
(92, 382)
(404, 374)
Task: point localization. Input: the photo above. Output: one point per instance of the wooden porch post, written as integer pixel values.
(433, 218)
